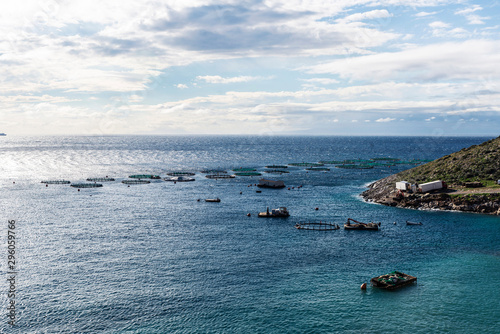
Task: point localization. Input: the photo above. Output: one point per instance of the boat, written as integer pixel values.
(317, 226)
(179, 179)
(275, 213)
(265, 183)
(360, 226)
(213, 200)
(392, 280)
(3, 134)
(413, 223)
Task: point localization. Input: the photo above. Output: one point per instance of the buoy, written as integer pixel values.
(241, 192)
(363, 286)
(317, 208)
(78, 189)
(46, 185)
(248, 214)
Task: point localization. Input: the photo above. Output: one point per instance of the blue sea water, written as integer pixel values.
(152, 259)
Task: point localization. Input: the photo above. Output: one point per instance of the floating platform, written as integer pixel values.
(318, 168)
(244, 170)
(86, 185)
(276, 171)
(214, 171)
(219, 176)
(145, 176)
(100, 179)
(393, 280)
(180, 173)
(317, 226)
(349, 166)
(248, 174)
(179, 179)
(136, 181)
(305, 164)
(56, 182)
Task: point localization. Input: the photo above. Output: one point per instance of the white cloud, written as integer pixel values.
(438, 24)
(424, 14)
(385, 120)
(181, 86)
(468, 60)
(221, 80)
(374, 14)
(472, 18)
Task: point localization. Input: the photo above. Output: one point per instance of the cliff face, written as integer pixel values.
(479, 163)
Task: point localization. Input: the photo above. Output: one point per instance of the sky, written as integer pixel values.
(270, 67)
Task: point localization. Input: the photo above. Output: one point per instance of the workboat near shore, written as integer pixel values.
(392, 280)
(282, 212)
(360, 226)
(213, 200)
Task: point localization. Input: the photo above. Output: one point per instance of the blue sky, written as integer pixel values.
(270, 67)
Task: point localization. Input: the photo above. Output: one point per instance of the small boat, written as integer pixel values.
(317, 226)
(360, 226)
(392, 280)
(413, 223)
(213, 199)
(275, 213)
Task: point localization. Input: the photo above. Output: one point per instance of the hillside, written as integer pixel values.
(475, 163)
(478, 163)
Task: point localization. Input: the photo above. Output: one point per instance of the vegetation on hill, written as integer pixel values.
(475, 163)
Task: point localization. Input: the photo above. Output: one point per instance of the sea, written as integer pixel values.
(157, 258)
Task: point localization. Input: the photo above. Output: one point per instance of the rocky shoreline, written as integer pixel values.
(384, 192)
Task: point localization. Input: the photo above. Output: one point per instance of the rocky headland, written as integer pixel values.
(471, 175)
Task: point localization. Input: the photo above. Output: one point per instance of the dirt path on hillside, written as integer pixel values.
(475, 191)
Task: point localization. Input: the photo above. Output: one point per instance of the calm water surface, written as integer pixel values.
(152, 259)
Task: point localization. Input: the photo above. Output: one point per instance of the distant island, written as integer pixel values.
(470, 182)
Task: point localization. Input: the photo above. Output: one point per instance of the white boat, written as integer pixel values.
(213, 199)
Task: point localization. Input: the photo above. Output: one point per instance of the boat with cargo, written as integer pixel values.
(393, 280)
(356, 225)
(281, 212)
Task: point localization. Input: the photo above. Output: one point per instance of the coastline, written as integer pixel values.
(455, 198)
